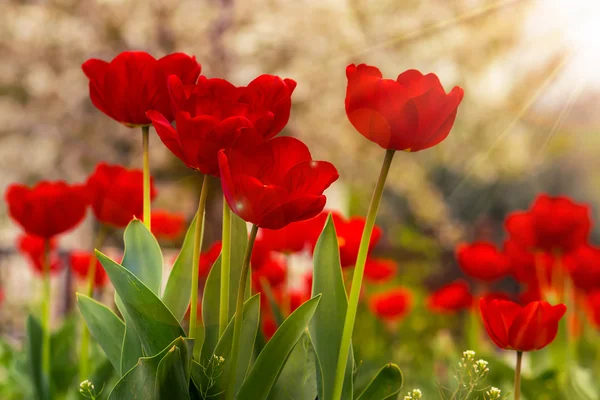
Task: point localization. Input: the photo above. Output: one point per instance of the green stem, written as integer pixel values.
(146, 168)
(518, 375)
(357, 278)
(225, 268)
(198, 233)
(84, 365)
(237, 324)
(46, 310)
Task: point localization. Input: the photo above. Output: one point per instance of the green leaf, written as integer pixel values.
(140, 381)
(106, 328)
(34, 359)
(581, 385)
(385, 385)
(154, 323)
(64, 358)
(327, 325)
(178, 290)
(131, 349)
(171, 382)
(298, 379)
(142, 256)
(210, 311)
(271, 360)
(250, 321)
(239, 241)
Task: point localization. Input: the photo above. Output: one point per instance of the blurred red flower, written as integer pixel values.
(167, 225)
(411, 113)
(116, 194)
(269, 327)
(593, 307)
(273, 270)
(48, 208)
(80, 265)
(349, 232)
(273, 183)
(208, 258)
(552, 224)
(33, 248)
(450, 298)
(134, 82)
(526, 265)
(482, 261)
(391, 305)
(583, 264)
(514, 327)
(380, 270)
(296, 236)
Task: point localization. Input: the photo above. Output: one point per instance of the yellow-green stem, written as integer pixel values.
(198, 233)
(84, 366)
(225, 268)
(357, 278)
(237, 324)
(46, 311)
(146, 168)
(518, 375)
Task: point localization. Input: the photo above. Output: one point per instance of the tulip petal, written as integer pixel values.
(298, 209)
(311, 177)
(182, 65)
(167, 134)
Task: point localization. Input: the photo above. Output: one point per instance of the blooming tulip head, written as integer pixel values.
(134, 82)
(80, 265)
(411, 113)
(116, 194)
(513, 327)
(167, 225)
(450, 298)
(273, 183)
(392, 305)
(48, 208)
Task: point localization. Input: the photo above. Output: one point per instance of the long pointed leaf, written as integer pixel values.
(34, 359)
(154, 323)
(327, 325)
(106, 328)
(210, 311)
(142, 255)
(271, 360)
(385, 385)
(239, 241)
(171, 382)
(178, 290)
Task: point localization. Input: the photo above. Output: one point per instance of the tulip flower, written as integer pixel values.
(392, 305)
(116, 194)
(553, 224)
(33, 247)
(482, 261)
(528, 266)
(450, 298)
(513, 327)
(380, 270)
(411, 113)
(80, 262)
(583, 265)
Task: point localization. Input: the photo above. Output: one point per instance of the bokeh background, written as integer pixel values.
(528, 122)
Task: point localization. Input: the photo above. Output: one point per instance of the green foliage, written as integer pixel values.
(385, 385)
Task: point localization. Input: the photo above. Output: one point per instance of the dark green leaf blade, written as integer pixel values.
(142, 255)
(385, 385)
(210, 310)
(106, 328)
(271, 360)
(171, 382)
(34, 359)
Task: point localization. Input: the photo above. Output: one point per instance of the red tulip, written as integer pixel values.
(116, 194)
(528, 328)
(532, 293)
(134, 82)
(167, 225)
(380, 270)
(593, 307)
(80, 265)
(552, 224)
(208, 258)
(498, 295)
(296, 236)
(583, 265)
(392, 305)
(527, 266)
(412, 113)
(265, 102)
(482, 261)
(33, 247)
(450, 298)
(273, 183)
(273, 270)
(48, 208)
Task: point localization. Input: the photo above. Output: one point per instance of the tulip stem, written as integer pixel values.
(46, 310)
(237, 324)
(357, 278)
(518, 375)
(146, 168)
(225, 268)
(198, 233)
(84, 365)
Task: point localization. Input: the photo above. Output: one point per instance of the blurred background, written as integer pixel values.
(527, 124)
